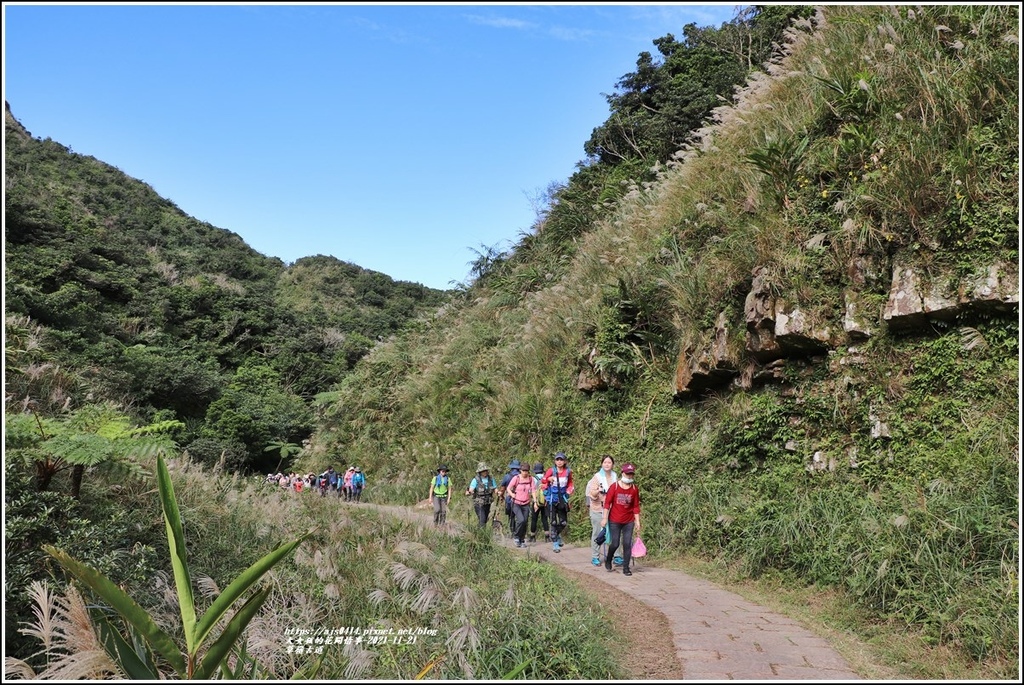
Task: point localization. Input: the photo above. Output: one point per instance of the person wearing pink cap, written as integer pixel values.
(622, 516)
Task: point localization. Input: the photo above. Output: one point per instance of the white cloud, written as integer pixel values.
(499, 22)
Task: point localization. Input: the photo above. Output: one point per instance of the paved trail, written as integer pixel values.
(718, 634)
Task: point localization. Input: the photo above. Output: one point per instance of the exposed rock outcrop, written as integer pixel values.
(915, 299)
(711, 367)
(777, 331)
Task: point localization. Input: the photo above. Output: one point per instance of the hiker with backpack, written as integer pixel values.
(622, 516)
(346, 483)
(522, 488)
(482, 489)
(358, 483)
(541, 510)
(513, 471)
(597, 488)
(558, 486)
(440, 494)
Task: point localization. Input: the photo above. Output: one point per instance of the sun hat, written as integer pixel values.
(538, 467)
(481, 467)
(442, 467)
(629, 469)
(514, 464)
(524, 466)
(561, 455)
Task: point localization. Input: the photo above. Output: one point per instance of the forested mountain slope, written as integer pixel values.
(142, 304)
(804, 331)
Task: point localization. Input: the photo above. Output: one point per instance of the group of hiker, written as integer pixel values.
(537, 498)
(348, 485)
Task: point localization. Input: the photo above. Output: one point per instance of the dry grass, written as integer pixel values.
(71, 648)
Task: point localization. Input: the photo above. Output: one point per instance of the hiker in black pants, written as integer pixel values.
(482, 489)
(541, 510)
(558, 486)
(622, 516)
(513, 470)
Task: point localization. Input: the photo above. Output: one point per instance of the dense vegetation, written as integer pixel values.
(141, 304)
(880, 135)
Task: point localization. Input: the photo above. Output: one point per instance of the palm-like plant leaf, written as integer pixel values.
(135, 615)
(221, 647)
(136, 665)
(176, 544)
(239, 585)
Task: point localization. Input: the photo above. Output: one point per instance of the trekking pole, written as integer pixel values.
(495, 524)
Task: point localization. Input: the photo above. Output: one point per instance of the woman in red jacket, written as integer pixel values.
(622, 516)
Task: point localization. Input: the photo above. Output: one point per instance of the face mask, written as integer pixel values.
(626, 479)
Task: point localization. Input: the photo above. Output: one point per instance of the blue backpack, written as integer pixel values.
(555, 493)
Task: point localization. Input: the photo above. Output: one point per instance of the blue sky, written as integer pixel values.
(399, 137)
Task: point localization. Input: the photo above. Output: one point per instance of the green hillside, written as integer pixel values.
(140, 303)
(804, 332)
(789, 295)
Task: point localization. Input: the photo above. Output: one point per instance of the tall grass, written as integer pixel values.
(471, 608)
(911, 120)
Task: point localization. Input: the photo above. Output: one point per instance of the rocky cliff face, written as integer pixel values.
(777, 331)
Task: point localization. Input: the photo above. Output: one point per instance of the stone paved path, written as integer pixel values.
(718, 634)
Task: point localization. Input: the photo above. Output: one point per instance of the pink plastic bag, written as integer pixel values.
(639, 548)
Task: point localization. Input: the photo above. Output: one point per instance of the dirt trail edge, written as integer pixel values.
(717, 634)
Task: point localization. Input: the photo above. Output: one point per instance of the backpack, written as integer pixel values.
(519, 481)
(358, 480)
(504, 483)
(484, 487)
(555, 492)
(440, 485)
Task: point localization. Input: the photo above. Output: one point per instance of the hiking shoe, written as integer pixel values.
(626, 572)
(608, 566)
(519, 543)
(618, 561)
(532, 538)
(595, 561)
(555, 546)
